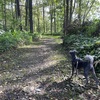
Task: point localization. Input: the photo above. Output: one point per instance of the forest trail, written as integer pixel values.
(38, 72)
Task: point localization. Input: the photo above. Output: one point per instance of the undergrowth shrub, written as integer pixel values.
(36, 36)
(10, 40)
(91, 28)
(84, 45)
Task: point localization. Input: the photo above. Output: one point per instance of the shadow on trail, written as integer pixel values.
(64, 90)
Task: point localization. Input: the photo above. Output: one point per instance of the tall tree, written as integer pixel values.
(88, 8)
(38, 16)
(55, 18)
(44, 17)
(5, 17)
(51, 17)
(30, 16)
(26, 15)
(12, 13)
(18, 14)
(64, 22)
(79, 12)
(67, 12)
(71, 8)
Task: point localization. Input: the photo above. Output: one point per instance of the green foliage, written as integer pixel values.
(36, 36)
(74, 28)
(10, 40)
(84, 45)
(91, 28)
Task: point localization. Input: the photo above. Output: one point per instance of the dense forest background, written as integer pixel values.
(53, 16)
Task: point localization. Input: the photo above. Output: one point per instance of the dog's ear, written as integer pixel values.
(75, 51)
(70, 51)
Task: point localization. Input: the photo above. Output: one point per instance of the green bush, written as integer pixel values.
(36, 36)
(91, 28)
(10, 40)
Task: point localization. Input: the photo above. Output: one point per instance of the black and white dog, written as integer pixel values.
(86, 64)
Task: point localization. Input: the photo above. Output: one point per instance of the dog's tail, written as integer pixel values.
(89, 58)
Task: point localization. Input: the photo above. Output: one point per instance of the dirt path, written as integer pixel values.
(37, 72)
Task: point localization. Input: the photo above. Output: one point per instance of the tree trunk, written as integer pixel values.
(66, 15)
(5, 20)
(43, 20)
(67, 12)
(26, 16)
(70, 17)
(51, 17)
(30, 16)
(87, 11)
(12, 12)
(79, 13)
(18, 14)
(38, 19)
(54, 19)
(64, 23)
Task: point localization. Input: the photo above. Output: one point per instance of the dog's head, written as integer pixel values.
(72, 52)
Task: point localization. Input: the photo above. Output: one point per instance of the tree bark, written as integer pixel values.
(26, 16)
(51, 17)
(67, 12)
(5, 20)
(43, 19)
(79, 12)
(18, 14)
(71, 6)
(30, 16)
(54, 18)
(87, 11)
(64, 23)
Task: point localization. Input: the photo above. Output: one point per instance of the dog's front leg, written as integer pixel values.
(77, 68)
(73, 68)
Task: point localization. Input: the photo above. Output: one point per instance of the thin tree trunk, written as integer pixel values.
(54, 19)
(87, 11)
(43, 20)
(26, 16)
(38, 19)
(5, 20)
(79, 13)
(70, 17)
(18, 14)
(51, 15)
(67, 12)
(64, 22)
(30, 16)
(12, 12)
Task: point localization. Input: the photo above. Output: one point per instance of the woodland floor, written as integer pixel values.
(40, 71)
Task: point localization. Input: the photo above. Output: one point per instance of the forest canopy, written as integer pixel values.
(43, 16)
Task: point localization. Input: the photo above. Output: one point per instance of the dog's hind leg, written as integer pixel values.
(94, 75)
